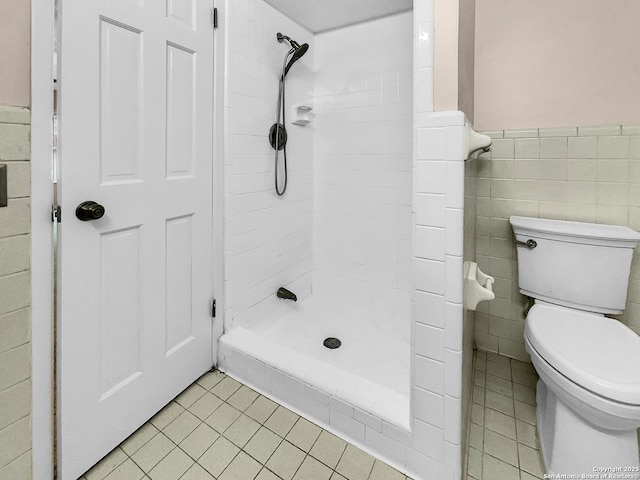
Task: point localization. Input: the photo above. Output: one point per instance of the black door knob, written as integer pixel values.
(89, 211)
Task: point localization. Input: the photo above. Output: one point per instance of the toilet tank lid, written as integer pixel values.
(595, 231)
(598, 353)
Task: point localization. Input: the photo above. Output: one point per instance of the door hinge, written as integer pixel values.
(213, 308)
(214, 17)
(56, 213)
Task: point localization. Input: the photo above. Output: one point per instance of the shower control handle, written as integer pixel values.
(89, 210)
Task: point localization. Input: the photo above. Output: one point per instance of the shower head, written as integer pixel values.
(297, 50)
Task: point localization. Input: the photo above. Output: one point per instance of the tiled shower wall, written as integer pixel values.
(362, 164)
(267, 238)
(15, 297)
(589, 174)
(437, 350)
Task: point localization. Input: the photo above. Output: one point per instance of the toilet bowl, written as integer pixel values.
(588, 395)
(581, 426)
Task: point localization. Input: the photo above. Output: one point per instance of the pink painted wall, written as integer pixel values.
(445, 56)
(554, 63)
(466, 57)
(453, 76)
(15, 52)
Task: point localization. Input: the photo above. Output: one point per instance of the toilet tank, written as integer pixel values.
(574, 264)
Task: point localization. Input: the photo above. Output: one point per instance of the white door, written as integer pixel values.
(136, 109)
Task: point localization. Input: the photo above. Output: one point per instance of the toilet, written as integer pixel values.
(588, 395)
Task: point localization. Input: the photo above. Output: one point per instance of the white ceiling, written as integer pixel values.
(322, 15)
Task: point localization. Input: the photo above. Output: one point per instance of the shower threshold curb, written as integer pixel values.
(344, 390)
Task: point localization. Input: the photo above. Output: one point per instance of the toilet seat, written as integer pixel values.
(598, 353)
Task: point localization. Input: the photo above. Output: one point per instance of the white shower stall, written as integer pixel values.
(369, 235)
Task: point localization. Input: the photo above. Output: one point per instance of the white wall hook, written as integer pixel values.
(478, 286)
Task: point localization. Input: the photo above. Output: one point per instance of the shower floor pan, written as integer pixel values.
(362, 384)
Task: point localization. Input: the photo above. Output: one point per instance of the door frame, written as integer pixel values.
(43, 31)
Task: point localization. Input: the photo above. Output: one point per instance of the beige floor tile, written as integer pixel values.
(499, 385)
(526, 433)
(126, 471)
(105, 466)
(530, 460)
(211, 379)
(263, 444)
(243, 397)
(152, 452)
(474, 465)
(525, 412)
(499, 402)
(222, 418)
(355, 464)
(499, 422)
(205, 405)
(382, 471)
(172, 467)
(525, 378)
(139, 438)
(190, 395)
(266, 474)
(508, 420)
(181, 427)
(225, 388)
(501, 447)
(499, 370)
(198, 441)
(328, 449)
(520, 365)
(167, 415)
(196, 472)
(261, 409)
(524, 394)
(281, 421)
(286, 460)
(243, 467)
(312, 469)
(527, 476)
(494, 469)
(477, 414)
(476, 436)
(304, 434)
(337, 476)
(478, 395)
(241, 431)
(218, 456)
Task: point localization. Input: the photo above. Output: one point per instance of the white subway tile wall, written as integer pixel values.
(437, 308)
(362, 162)
(588, 174)
(267, 238)
(15, 297)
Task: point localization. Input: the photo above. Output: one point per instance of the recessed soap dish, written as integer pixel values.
(301, 115)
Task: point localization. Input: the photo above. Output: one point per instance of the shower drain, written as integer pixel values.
(332, 343)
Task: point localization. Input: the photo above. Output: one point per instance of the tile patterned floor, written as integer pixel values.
(502, 435)
(219, 429)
